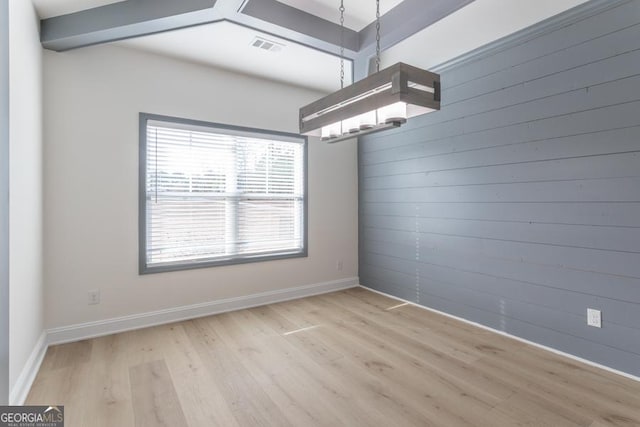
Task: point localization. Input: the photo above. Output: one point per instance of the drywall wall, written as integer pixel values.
(25, 170)
(4, 202)
(518, 204)
(92, 100)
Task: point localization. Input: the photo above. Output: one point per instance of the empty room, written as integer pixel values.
(319, 213)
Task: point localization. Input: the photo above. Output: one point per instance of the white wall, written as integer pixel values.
(92, 100)
(4, 202)
(25, 175)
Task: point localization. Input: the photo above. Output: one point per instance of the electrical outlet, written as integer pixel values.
(93, 297)
(339, 265)
(594, 318)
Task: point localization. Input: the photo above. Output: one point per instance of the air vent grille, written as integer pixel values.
(268, 45)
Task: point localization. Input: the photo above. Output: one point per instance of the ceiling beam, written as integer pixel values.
(288, 17)
(134, 18)
(290, 35)
(123, 20)
(406, 19)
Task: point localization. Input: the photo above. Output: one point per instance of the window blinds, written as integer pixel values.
(215, 195)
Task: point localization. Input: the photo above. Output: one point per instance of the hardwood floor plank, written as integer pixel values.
(531, 409)
(154, 398)
(285, 383)
(64, 386)
(459, 332)
(197, 390)
(246, 398)
(343, 398)
(436, 396)
(455, 348)
(108, 399)
(435, 357)
(351, 357)
(351, 372)
(66, 355)
(553, 382)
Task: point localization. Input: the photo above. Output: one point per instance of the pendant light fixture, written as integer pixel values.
(383, 100)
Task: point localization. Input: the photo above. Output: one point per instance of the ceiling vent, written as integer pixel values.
(267, 45)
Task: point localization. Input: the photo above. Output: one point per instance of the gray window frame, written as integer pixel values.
(142, 199)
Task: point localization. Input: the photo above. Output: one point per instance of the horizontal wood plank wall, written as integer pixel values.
(518, 204)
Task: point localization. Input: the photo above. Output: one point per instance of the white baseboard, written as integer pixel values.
(21, 388)
(535, 344)
(137, 321)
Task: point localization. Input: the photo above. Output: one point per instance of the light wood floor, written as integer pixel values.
(350, 358)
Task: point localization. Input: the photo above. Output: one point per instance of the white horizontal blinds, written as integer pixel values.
(270, 214)
(214, 195)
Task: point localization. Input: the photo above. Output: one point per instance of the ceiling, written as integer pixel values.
(308, 53)
(230, 46)
(357, 15)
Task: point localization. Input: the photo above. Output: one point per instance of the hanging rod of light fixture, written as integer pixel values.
(383, 100)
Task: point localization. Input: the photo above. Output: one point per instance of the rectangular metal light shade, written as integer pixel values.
(380, 101)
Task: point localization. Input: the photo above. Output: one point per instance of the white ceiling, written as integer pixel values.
(357, 15)
(229, 46)
(49, 8)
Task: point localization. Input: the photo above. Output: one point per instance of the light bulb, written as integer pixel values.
(367, 120)
(351, 125)
(335, 130)
(396, 112)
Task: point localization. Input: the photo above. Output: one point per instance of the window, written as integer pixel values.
(213, 194)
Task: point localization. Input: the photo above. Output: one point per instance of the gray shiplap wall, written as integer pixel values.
(518, 204)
